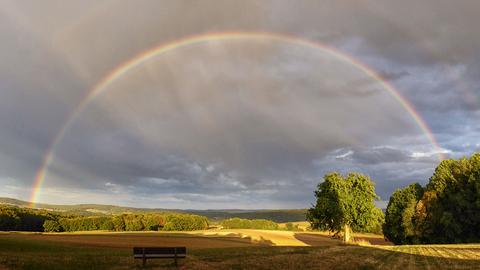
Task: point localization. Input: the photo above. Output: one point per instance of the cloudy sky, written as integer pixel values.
(237, 122)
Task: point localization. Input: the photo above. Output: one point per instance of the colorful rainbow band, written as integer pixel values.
(140, 59)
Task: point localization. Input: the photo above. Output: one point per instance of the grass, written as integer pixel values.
(33, 254)
(23, 251)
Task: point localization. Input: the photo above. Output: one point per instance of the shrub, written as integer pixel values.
(52, 226)
(184, 222)
(238, 223)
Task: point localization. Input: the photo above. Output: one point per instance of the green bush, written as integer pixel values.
(133, 222)
(118, 223)
(239, 223)
(292, 227)
(184, 222)
(153, 222)
(52, 226)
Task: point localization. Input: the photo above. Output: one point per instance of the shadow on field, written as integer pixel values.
(374, 240)
(313, 239)
(258, 241)
(316, 240)
(334, 257)
(128, 240)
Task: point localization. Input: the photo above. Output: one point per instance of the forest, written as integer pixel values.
(14, 218)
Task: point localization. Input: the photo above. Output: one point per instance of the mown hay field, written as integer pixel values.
(234, 249)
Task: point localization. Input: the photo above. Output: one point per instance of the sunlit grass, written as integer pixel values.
(454, 251)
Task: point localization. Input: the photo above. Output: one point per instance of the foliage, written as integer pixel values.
(133, 222)
(376, 222)
(399, 225)
(344, 202)
(118, 223)
(52, 226)
(153, 222)
(136, 222)
(239, 223)
(14, 218)
(281, 215)
(23, 219)
(448, 211)
(292, 227)
(185, 222)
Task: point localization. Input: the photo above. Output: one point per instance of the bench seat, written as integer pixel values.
(145, 253)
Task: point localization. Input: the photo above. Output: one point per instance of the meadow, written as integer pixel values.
(227, 249)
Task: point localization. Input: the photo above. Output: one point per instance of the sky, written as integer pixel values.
(233, 123)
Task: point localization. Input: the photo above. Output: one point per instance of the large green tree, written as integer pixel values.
(399, 224)
(344, 203)
(449, 211)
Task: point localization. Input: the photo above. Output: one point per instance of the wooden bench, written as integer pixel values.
(145, 253)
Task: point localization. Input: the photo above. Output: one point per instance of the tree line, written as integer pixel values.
(14, 218)
(130, 222)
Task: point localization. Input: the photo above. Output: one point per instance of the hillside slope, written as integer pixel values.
(280, 215)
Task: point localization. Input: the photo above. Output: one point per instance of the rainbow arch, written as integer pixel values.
(148, 55)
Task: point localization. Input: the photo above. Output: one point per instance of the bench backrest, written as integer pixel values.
(168, 252)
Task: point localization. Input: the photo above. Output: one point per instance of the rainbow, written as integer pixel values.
(148, 55)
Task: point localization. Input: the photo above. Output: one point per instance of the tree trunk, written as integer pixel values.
(347, 233)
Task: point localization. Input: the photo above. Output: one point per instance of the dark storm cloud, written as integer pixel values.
(379, 155)
(37, 90)
(270, 120)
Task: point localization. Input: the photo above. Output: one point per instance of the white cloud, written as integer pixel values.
(430, 153)
(344, 155)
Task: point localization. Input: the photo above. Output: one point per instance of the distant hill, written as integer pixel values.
(281, 215)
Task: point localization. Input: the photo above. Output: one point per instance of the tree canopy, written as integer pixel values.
(446, 211)
(24, 219)
(345, 202)
(449, 211)
(399, 225)
(14, 218)
(239, 223)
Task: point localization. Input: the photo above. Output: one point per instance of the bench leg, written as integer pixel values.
(176, 262)
(144, 261)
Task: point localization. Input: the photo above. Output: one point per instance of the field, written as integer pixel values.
(232, 249)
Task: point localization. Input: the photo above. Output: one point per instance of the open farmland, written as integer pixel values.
(232, 249)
